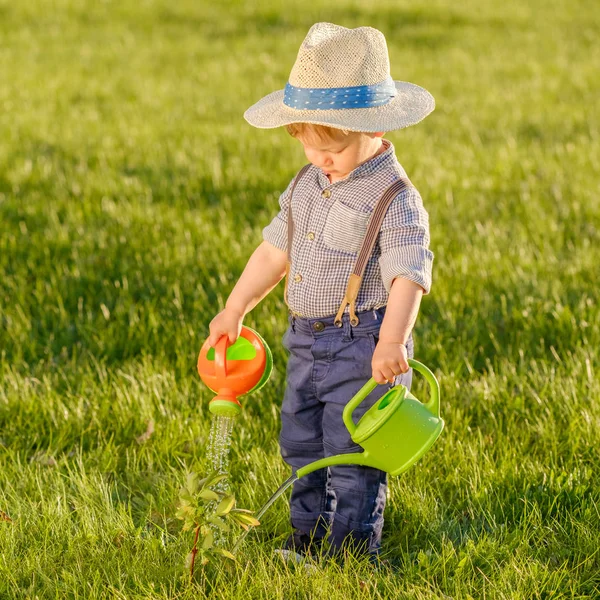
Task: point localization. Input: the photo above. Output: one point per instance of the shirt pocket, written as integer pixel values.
(345, 228)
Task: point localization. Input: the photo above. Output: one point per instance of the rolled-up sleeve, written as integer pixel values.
(404, 241)
(276, 231)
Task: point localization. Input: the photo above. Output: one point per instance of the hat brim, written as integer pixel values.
(411, 104)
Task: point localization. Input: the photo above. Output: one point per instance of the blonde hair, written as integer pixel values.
(322, 132)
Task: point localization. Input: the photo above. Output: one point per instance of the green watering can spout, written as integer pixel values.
(395, 432)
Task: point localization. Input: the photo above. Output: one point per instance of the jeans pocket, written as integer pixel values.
(410, 344)
(285, 338)
(374, 339)
(404, 378)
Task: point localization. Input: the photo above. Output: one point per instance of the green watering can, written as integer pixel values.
(395, 432)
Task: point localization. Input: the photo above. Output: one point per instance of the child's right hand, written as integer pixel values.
(227, 322)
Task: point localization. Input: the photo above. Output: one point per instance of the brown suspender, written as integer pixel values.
(355, 279)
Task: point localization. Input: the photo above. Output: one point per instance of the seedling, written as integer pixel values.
(202, 508)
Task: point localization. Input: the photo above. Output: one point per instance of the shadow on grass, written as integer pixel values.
(540, 519)
(509, 319)
(146, 317)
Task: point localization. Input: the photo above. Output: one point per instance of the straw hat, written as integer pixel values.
(341, 78)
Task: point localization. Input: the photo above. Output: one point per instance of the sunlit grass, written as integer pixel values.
(131, 193)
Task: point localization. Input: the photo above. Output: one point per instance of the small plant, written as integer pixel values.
(202, 508)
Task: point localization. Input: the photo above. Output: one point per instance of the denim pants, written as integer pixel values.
(327, 366)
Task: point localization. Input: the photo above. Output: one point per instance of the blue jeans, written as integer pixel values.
(327, 366)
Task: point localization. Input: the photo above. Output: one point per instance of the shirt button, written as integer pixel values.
(297, 278)
(326, 193)
(310, 236)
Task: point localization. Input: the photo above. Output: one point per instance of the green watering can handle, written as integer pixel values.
(433, 406)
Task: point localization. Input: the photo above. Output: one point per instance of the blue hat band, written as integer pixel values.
(362, 96)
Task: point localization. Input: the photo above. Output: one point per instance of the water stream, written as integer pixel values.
(284, 486)
(219, 443)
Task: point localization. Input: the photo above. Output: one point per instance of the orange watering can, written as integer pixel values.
(233, 370)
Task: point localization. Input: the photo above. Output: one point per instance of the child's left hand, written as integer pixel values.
(389, 359)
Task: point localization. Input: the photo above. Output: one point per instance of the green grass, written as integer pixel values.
(132, 192)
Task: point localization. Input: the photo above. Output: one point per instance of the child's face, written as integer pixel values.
(338, 159)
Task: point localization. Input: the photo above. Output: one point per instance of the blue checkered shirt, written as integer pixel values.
(330, 221)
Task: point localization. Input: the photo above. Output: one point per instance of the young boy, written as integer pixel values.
(353, 291)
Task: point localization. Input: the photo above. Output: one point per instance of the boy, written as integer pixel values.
(354, 288)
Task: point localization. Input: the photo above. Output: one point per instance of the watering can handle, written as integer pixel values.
(221, 357)
(433, 406)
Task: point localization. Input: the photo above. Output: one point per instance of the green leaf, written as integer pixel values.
(191, 483)
(213, 480)
(245, 518)
(219, 523)
(208, 541)
(185, 496)
(224, 553)
(225, 505)
(208, 495)
(184, 511)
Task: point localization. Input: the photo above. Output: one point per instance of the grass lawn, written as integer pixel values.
(131, 194)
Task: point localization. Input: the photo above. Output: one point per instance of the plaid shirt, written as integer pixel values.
(330, 221)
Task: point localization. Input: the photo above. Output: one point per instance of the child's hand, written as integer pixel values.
(389, 359)
(227, 322)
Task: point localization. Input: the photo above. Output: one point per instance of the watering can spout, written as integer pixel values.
(356, 458)
(394, 433)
